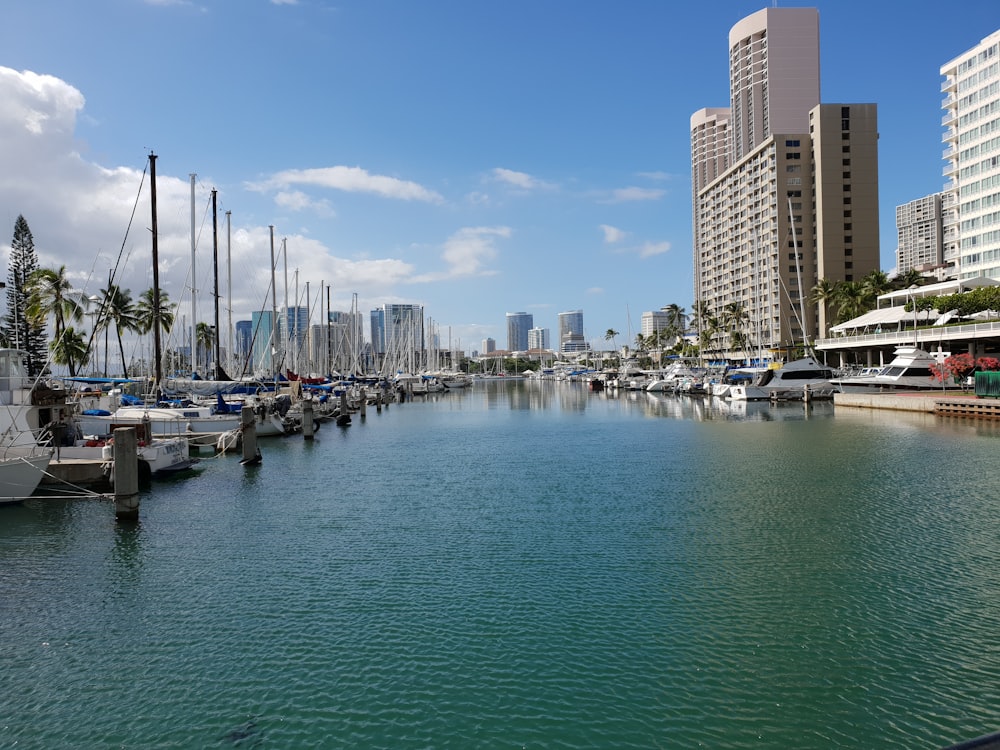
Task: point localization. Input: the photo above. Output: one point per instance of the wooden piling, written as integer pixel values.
(307, 419)
(248, 424)
(126, 474)
(364, 404)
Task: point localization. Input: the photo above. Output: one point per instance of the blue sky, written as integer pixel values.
(477, 158)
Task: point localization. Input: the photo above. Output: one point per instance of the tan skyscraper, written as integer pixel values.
(794, 198)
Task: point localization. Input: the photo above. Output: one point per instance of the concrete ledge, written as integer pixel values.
(895, 401)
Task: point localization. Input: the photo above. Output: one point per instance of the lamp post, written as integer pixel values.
(913, 301)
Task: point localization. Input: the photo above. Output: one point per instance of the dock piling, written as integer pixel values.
(126, 457)
(307, 420)
(248, 424)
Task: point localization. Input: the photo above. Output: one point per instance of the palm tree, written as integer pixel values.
(734, 318)
(144, 309)
(120, 310)
(825, 294)
(876, 283)
(204, 338)
(50, 293)
(677, 319)
(912, 277)
(69, 349)
(610, 335)
(853, 299)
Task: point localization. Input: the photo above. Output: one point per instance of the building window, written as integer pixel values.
(845, 136)
(846, 162)
(846, 175)
(845, 112)
(848, 264)
(847, 200)
(848, 239)
(847, 214)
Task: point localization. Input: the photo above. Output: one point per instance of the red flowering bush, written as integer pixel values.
(957, 366)
(988, 364)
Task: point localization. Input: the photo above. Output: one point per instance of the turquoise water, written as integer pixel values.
(525, 566)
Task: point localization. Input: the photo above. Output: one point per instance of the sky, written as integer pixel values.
(476, 158)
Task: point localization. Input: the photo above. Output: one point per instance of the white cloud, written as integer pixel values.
(649, 249)
(631, 194)
(296, 200)
(351, 180)
(595, 290)
(466, 252)
(521, 180)
(612, 234)
(93, 219)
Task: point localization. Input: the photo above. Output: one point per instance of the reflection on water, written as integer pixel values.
(526, 564)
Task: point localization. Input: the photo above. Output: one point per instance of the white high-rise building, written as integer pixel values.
(538, 338)
(972, 159)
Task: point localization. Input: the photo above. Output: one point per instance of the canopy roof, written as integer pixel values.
(886, 316)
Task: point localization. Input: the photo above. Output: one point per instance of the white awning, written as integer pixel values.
(887, 316)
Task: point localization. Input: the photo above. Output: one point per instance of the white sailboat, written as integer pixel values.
(23, 462)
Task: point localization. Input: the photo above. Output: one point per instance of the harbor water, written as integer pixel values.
(525, 565)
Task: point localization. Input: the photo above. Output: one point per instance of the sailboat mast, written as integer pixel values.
(194, 278)
(274, 307)
(215, 282)
(157, 366)
(229, 289)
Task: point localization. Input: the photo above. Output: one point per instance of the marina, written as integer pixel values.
(529, 563)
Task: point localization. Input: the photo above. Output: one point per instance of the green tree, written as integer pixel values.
(120, 310)
(69, 349)
(610, 335)
(853, 299)
(144, 309)
(19, 328)
(734, 318)
(50, 293)
(876, 282)
(912, 277)
(204, 338)
(825, 295)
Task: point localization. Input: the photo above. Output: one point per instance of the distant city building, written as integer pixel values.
(489, 345)
(654, 321)
(538, 338)
(262, 347)
(796, 197)
(920, 242)
(972, 164)
(291, 337)
(571, 337)
(518, 325)
(241, 344)
(338, 346)
(398, 334)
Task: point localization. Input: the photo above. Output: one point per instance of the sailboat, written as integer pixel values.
(23, 463)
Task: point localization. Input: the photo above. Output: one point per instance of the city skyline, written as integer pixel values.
(548, 170)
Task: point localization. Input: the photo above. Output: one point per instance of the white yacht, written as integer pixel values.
(23, 462)
(910, 370)
(800, 379)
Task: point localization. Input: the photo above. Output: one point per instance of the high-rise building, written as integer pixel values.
(262, 345)
(398, 334)
(794, 200)
(538, 338)
(919, 234)
(518, 325)
(244, 337)
(972, 159)
(489, 345)
(654, 321)
(571, 337)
